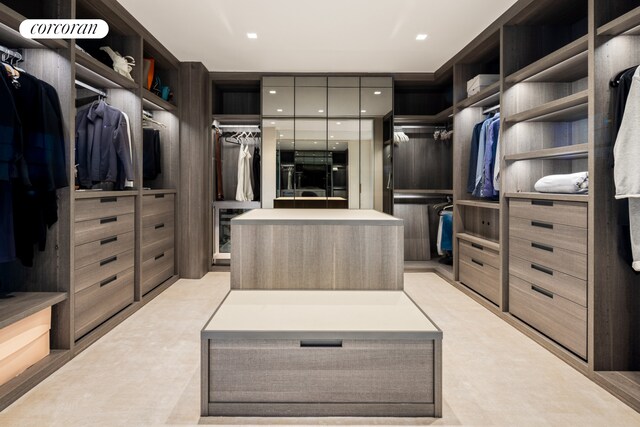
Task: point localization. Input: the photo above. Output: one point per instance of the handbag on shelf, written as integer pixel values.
(163, 92)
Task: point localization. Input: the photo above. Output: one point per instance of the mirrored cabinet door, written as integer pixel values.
(277, 96)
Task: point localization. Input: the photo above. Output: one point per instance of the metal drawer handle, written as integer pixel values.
(321, 343)
(108, 220)
(542, 269)
(159, 256)
(542, 291)
(109, 280)
(542, 202)
(159, 196)
(109, 240)
(541, 225)
(108, 260)
(481, 264)
(475, 245)
(542, 247)
(159, 226)
(108, 199)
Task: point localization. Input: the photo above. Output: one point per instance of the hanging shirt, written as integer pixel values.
(256, 173)
(244, 192)
(473, 157)
(487, 189)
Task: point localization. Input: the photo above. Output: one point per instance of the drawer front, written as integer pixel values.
(103, 270)
(157, 247)
(556, 235)
(102, 228)
(101, 207)
(158, 219)
(571, 263)
(156, 270)
(154, 204)
(567, 213)
(159, 231)
(93, 252)
(290, 371)
(98, 303)
(554, 316)
(480, 277)
(479, 253)
(561, 284)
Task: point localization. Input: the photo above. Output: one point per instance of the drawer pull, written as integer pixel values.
(321, 343)
(108, 260)
(542, 291)
(159, 196)
(541, 225)
(542, 202)
(542, 269)
(109, 280)
(109, 240)
(481, 264)
(108, 220)
(108, 199)
(542, 247)
(159, 256)
(477, 246)
(159, 226)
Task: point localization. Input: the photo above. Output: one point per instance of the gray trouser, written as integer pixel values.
(634, 222)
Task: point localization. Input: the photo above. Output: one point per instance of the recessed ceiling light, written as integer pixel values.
(315, 142)
(337, 143)
(252, 36)
(279, 110)
(320, 111)
(421, 37)
(377, 92)
(273, 123)
(331, 136)
(281, 136)
(363, 111)
(272, 92)
(338, 123)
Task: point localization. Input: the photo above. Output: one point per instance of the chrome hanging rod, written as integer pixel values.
(91, 88)
(491, 110)
(11, 53)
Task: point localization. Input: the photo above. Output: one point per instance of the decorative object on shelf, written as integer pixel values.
(480, 82)
(122, 65)
(148, 72)
(163, 92)
(573, 183)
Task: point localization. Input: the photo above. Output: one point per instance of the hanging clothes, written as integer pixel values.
(626, 152)
(256, 173)
(244, 192)
(484, 159)
(151, 155)
(473, 157)
(217, 142)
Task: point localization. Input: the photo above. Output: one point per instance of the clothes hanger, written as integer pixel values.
(615, 82)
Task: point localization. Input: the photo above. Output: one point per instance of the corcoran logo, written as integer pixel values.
(64, 29)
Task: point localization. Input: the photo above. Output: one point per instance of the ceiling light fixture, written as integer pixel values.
(272, 92)
(421, 37)
(363, 111)
(377, 92)
(279, 110)
(315, 142)
(320, 111)
(338, 123)
(273, 123)
(331, 136)
(281, 136)
(252, 36)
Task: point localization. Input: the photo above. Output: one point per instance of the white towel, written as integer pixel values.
(574, 183)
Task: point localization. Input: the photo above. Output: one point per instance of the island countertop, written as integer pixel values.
(315, 217)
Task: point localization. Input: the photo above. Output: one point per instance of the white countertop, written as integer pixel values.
(311, 198)
(303, 312)
(316, 216)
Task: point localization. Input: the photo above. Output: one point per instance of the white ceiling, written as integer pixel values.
(316, 36)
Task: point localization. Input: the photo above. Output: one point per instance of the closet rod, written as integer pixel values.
(91, 88)
(491, 110)
(12, 53)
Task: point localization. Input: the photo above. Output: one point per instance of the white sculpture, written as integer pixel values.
(121, 64)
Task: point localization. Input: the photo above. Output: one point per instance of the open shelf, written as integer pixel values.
(90, 70)
(24, 304)
(568, 63)
(239, 119)
(478, 204)
(479, 241)
(569, 152)
(567, 109)
(408, 191)
(584, 198)
(10, 21)
(439, 118)
(151, 101)
(487, 96)
(628, 24)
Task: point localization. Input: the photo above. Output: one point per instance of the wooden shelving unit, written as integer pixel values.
(479, 241)
(627, 24)
(487, 96)
(569, 152)
(478, 204)
(419, 191)
(94, 72)
(584, 198)
(24, 304)
(570, 108)
(151, 101)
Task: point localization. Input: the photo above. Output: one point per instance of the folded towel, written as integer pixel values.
(574, 183)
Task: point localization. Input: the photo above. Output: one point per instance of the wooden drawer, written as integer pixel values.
(333, 371)
(558, 318)
(157, 247)
(101, 207)
(93, 252)
(556, 235)
(158, 219)
(571, 263)
(103, 270)
(158, 231)
(555, 212)
(479, 253)
(99, 302)
(154, 204)
(481, 277)
(98, 229)
(156, 270)
(569, 287)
